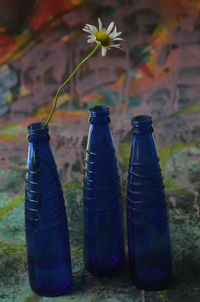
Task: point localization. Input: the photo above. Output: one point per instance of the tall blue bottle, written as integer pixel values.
(147, 213)
(48, 250)
(103, 212)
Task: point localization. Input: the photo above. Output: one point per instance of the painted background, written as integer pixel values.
(158, 74)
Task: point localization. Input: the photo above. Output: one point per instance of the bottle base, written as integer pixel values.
(151, 279)
(105, 273)
(55, 293)
(108, 266)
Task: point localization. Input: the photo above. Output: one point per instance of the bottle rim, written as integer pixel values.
(141, 120)
(99, 109)
(36, 132)
(37, 126)
(99, 115)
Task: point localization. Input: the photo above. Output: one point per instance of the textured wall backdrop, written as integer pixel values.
(158, 74)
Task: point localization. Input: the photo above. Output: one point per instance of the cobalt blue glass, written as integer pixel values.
(103, 212)
(147, 213)
(47, 240)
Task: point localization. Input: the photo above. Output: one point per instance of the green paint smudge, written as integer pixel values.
(16, 251)
(124, 152)
(11, 205)
(190, 109)
(73, 185)
(165, 153)
(33, 298)
(163, 295)
(77, 253)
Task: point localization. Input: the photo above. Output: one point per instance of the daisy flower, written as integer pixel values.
(104, 37)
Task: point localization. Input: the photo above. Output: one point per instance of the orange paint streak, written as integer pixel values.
(161, 35)
(92, 97)
(181, 3)
(8, 138)
(43, 114)
(147, 69)
(76, 116)
(46, 9)
(178, 2)
(120, 82)
(7, 46)
(140, 85)
(180, 8)
(2, 29)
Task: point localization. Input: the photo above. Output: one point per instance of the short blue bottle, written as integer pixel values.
(147, 214)
(102, 203)
(47, 240)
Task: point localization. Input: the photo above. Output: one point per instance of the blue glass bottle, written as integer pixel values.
(103, 212)
(48, 250)
(147, 213)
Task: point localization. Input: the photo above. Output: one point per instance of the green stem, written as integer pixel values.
(73, 73)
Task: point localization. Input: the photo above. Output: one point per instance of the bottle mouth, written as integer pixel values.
(35, 131)
(142, 124)
(36, 127)
(141, 120)
(99, 115)
(99, 109)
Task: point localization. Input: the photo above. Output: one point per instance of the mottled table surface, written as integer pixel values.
(185, 241)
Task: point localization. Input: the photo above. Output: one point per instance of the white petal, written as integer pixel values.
(92, 27)
(103, 51)
(100, 24)
(115, 45)
(87, 30)
(88, 26)
(91, 40)
(118, 33)
(91, 35)
(110, 27)
(114, 34)
(118, 39)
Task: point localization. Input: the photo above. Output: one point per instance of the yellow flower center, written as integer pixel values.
(104, 38)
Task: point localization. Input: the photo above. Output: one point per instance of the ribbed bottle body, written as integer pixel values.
(102, 213)
(47, 239)
(147, 213)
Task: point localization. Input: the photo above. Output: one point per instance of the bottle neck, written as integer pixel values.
(142, 124)
(99, 115)
(100, 137)
(37, 134)
(143, 147)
